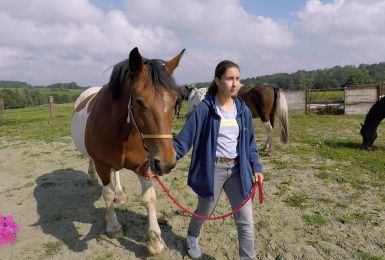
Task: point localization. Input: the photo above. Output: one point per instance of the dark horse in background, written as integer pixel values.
(369, 129)
(264, 101)
(183, 93)
(127, 124)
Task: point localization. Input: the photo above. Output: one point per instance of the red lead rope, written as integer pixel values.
(251, 196)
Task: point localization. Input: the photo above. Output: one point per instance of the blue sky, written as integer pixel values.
(273, 8)
(79, 40)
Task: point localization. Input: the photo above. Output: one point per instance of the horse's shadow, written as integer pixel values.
(64, 199)
(349, 145)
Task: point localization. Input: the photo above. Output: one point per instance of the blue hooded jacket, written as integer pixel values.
(201, 133)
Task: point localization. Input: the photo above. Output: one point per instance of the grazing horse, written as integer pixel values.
(264, 101)
(195, 97)
(369, 129)
(127, 124)
(183, 93)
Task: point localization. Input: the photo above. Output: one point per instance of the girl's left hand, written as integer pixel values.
(258, 177)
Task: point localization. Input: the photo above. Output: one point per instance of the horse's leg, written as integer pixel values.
(92, 176)
(269, 140)
(155, 243)
(113, 229)
(120, 196)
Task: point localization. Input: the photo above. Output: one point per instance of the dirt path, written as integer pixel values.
(44, 186)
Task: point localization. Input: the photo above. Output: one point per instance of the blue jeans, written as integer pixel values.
(226, 177)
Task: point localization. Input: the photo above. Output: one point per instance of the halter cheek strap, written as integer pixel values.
(144, 136)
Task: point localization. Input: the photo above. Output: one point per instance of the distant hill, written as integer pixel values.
(71, 85)
(13, 84)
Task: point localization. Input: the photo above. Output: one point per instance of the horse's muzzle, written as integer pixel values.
(160, 168)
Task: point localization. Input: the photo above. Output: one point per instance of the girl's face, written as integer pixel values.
(229, 83)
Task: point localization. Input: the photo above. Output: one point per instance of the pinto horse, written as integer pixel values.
(264, 101)
(195, 97)
(369, 129)
(127, 124)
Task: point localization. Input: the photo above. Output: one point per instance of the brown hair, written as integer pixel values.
(219, 71)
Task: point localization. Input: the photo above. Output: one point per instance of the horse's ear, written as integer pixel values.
(135, 61)
(172, 64)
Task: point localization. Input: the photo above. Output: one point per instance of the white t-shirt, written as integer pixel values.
(228, 133)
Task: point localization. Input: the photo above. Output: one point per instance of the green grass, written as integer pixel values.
(52, 248)
(106, 256)
(35, 123)
(315, 219)
(299, 201)
(325, 95)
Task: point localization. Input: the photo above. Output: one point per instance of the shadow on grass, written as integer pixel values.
(350, 145)
(64, 199)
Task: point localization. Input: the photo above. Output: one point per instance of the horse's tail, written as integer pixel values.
(282, 111)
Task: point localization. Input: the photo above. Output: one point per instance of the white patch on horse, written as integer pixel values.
(167, 100)
(129, 111)
(79, 121)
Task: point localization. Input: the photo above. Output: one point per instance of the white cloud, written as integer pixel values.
(350, 23)
(216, 22)
(73, 36)
(45, 41)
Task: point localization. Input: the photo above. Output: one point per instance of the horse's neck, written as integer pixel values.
(375, 115)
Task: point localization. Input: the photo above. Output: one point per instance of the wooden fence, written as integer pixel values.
(355, 100)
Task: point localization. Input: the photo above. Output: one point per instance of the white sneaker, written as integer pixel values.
(193, 247)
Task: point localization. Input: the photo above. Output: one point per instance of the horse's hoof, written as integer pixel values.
(120, 199)
(116, 232)
(155, 243)
(92, 182)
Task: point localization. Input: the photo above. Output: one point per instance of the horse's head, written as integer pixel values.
(368, 137)
(185, 92)
(151, 94)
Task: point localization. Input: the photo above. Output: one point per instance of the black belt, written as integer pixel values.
(224, 160)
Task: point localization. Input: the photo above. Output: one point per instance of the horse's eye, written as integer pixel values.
(139, 102)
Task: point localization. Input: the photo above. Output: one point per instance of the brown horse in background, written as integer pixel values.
(127, 124)
(264, 101)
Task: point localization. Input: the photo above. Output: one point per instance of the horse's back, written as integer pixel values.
(260, 100)
(80, 117)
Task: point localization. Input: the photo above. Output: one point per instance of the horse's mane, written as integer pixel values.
(157, 75)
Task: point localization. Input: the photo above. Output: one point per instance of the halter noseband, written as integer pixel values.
(144, 136)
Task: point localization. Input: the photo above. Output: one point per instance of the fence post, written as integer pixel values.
(52, 107)
(1, 108)
(378, 92)
(306, 101)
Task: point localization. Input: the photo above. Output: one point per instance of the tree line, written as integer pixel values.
(19, 94)
(329, 78)
(27, 97)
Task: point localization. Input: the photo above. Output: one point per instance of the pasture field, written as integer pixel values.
(326, 95)
(324, 197)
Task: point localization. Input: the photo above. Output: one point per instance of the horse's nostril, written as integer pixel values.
(157, 164)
